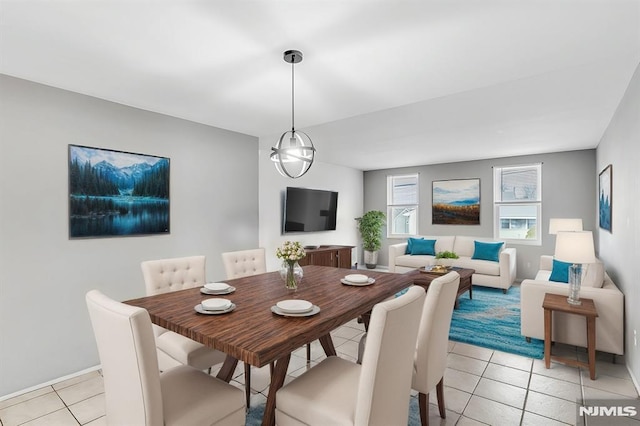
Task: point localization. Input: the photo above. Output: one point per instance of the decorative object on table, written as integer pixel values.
(492, 320)
(605, 201)
(577, 249)
(370, 227)
(291, 272)
(456, 202)
(443, 258)
(115, 193)
(293, 154)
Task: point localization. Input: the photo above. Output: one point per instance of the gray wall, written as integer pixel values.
(44, 327)
(620, 248)
(568, 190)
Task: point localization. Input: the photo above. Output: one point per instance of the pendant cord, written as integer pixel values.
(293, 127)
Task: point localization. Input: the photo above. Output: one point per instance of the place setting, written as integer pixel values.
(217, 288)
(357, 280)
(215, 306)
(295, 308)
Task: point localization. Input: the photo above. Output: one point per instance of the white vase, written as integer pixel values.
(370, 259)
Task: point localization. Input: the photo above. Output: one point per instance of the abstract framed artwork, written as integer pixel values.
(116, 193)
(456, 202)
(605, 200)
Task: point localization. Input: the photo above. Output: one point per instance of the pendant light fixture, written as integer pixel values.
(294, 152)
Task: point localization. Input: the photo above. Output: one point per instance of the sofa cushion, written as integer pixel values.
(410, 261)
(560, 271)
(410, 244)
(423, 247)
(483, 267)
(487, 251)
(593, 274)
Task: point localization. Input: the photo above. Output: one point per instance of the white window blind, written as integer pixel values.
(402, 205)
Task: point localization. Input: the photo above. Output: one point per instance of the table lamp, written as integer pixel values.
(557, 224)
(575, 247)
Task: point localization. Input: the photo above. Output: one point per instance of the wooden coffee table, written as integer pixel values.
(424, 277)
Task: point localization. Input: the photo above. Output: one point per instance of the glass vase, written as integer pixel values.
(291, 272)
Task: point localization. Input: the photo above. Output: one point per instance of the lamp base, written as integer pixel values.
(575, 279)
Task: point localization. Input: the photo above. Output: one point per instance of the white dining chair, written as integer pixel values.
(135, 391)
(433, 342)
(337, 391)
(163, 276)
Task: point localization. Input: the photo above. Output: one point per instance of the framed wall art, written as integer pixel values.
(605, 201)
(456, 202)
(115, 193)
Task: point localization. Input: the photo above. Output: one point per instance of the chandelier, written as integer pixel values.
(294, 152)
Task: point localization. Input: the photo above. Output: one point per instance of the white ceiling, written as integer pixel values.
(442, 80)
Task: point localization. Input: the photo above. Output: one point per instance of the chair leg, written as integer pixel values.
(440, 395)
(247, 383)
(423, 403)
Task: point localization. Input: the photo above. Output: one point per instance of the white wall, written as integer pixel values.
(620, 248)
(346, 181)
(44, 327)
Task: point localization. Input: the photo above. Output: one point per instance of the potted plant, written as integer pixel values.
(443, 258)
(370, 227)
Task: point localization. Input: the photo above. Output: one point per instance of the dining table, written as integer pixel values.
(254, 334)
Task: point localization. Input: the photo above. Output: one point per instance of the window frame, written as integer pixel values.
(498, 203)
(391, 206)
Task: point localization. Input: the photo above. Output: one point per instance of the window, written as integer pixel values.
(402, 205)
(517, 201)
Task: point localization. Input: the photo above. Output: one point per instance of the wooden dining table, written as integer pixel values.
(252, 333)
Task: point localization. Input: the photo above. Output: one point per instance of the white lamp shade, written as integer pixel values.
(575, 247)
(563, 224)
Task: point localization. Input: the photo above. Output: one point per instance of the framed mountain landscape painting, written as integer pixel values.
(115, 193)
(604, 198)
(456, 202)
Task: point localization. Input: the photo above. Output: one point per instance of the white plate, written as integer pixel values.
(347, 282)
(231, 289)
(357, 278)
(215, 304)
(294, 306)
(314, 310)
(217, 286)
(200, 310)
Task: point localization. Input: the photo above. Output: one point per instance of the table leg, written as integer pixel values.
(327, 345)
(277, 380)
(229, 366)
(591, 346)
(547, 338)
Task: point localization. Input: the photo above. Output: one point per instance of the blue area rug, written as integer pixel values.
(492, 320)
(254, 417)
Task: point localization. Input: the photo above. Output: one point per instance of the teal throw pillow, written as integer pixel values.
(487, 251)
(424, 247)
(410, 244)
(560, 271)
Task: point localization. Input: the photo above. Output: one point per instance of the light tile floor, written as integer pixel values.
(482, 386)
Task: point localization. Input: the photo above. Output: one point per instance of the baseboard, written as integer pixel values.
(636, 384)
(50, 382)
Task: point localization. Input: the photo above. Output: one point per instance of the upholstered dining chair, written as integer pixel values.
(136, 393)
(165, 275)
(433, 342)
(337, 391)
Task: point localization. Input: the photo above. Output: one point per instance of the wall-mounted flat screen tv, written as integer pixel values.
(309, 210)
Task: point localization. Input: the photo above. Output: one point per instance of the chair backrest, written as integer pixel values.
(165, 275)
(433, 337)
(129, 362)
(238, 264)
(385, 380)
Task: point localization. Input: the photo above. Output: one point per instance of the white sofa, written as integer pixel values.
(499, 274)
(571, 329)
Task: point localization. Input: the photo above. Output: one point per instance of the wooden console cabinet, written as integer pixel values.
(336, 256)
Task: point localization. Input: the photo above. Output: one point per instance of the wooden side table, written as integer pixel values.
(558, 303)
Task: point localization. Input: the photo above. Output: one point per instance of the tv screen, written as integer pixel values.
(310, 210)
